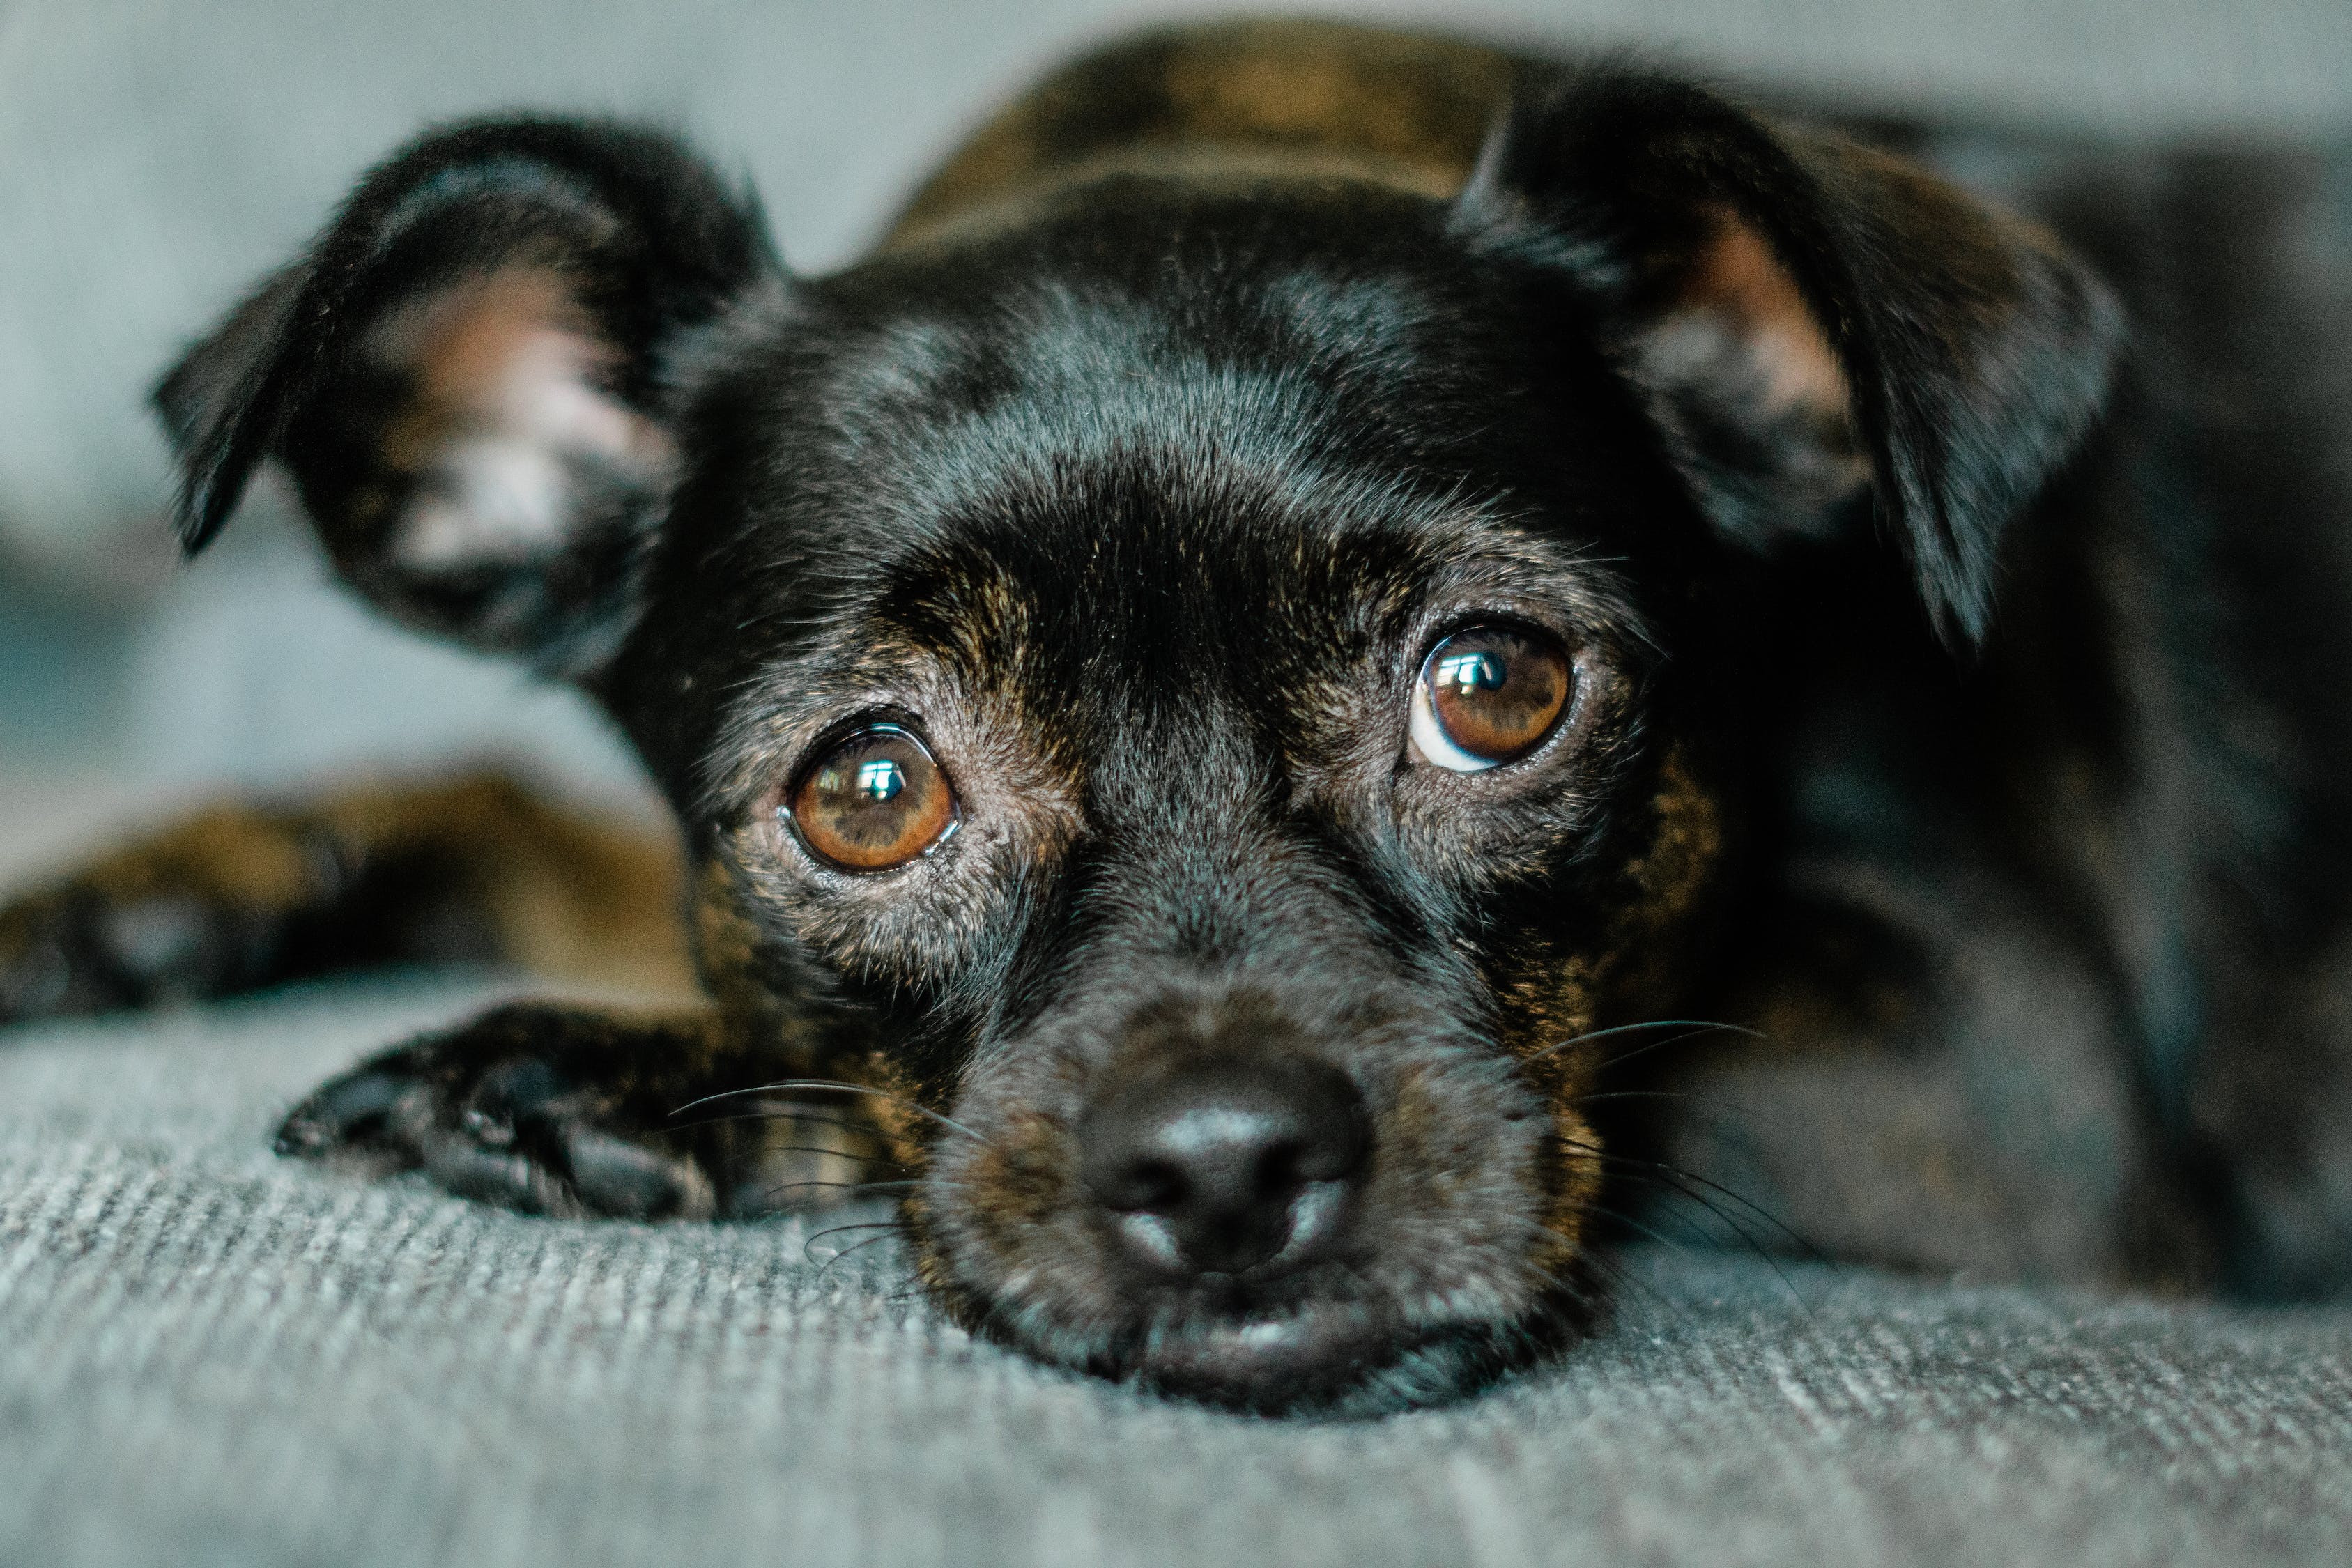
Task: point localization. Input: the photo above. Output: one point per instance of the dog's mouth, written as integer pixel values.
(1344, 1339)
(1332, 1359)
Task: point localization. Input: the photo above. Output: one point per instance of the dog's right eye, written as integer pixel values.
(1488, 695)
(872, 801)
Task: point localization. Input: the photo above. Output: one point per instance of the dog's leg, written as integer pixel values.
(569, 1111)
(239, 897)
(2271, 1096)
(1944, 1083)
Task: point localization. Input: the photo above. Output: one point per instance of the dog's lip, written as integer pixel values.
(1318, 1357)
(1240, 1358)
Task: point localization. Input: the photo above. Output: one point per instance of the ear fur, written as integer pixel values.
(1808, 318)
(465, 376)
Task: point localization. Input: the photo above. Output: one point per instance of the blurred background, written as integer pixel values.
(157, 156)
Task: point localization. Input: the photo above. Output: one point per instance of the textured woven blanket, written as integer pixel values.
(209, 1355)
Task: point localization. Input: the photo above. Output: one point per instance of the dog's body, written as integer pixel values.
(1221, 681)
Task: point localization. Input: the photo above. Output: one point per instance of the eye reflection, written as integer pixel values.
(874, 800)
(1469, 672)
(879, 782)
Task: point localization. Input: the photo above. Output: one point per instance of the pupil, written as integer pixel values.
(1469, 672)
(878, 783)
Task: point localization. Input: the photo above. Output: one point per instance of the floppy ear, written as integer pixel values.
(468, 377)
(1809, 318)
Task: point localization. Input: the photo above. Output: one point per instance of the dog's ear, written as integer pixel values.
(470, 376)
(1808, 319)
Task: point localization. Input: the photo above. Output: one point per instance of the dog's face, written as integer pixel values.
(1211, 693)
(1216, 742)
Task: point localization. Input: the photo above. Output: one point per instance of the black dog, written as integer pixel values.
(1318, 587)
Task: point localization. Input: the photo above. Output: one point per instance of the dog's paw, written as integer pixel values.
(488, 1115)
(74, 950)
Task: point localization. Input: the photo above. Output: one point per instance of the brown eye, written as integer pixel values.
(876, 800)
(1488, 695)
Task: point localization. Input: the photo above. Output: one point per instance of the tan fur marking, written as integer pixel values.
(568, 895)
(1629, 981)
(229, 854)
(1671, 879)
(572, 896)
(1736, 278)
(1300, 99)
(1317, 84)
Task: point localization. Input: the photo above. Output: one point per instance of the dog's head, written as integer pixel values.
(1216, 688)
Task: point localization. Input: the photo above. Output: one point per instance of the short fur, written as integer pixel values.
(1956, 583)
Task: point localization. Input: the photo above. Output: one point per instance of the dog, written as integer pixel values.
(1343, 652)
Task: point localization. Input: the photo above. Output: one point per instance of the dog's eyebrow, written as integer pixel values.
(779, 712)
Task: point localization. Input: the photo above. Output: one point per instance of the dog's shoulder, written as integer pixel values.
(1232, 101)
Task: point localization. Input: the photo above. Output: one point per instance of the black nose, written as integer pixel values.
(1218, 1164)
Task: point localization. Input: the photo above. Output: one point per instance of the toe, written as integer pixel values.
(629, 1181)
(355, 1107)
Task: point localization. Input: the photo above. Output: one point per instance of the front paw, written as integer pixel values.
(76, 950)
(506, 1110)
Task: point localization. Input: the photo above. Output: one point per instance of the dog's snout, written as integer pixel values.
(1229, 1164)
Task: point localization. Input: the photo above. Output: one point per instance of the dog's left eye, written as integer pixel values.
(1488, 695)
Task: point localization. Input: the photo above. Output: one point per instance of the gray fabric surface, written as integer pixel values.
(209, 1355)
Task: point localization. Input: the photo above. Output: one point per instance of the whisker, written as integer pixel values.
(1590, 1255)
(1619, 1274)
(737, 1157)
(1671, 1180)
(839, 1086)
(843, 1230)
(1587, 1255)
(1630, 1223)
(1697, 1026)
(860, 1247)
(1678, 1174)
(1722, 1121)
(786, 1111)
(855, 1186)
(1700, 1100)
(1621, 1058)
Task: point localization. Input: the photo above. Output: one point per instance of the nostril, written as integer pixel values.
(1144, 1187)
(1279, 1169)
(1221, 1164)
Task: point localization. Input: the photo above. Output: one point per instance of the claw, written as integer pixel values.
(348, 1109)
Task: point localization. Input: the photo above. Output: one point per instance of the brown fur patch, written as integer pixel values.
(560, 893)
(1670, 882)
(229, 854)
(1305, 98)
(1550, 1005)
(571, 896)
